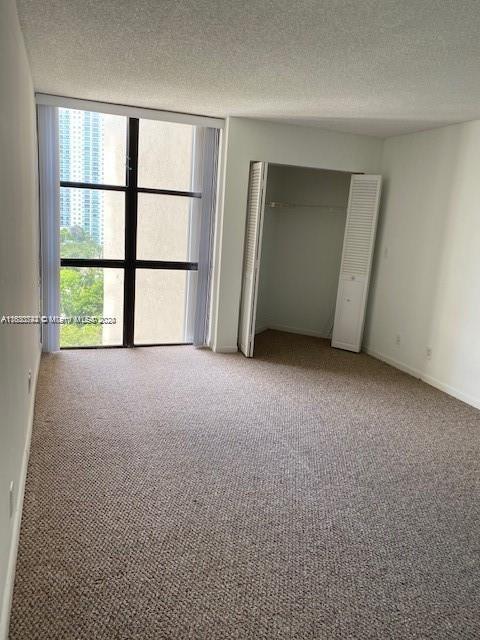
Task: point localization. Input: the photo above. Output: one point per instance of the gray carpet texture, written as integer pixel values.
(309, 493)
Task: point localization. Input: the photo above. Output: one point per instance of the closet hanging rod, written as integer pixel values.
(285, 205)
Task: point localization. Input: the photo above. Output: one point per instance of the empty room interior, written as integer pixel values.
(239, 320)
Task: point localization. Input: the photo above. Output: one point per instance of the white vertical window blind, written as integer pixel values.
(356, 261)
(49, 178)
(209, 162)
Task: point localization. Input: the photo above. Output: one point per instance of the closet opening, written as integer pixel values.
(308, 250)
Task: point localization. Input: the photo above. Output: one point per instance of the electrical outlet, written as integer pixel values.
(398, 339)
(11, 498)
(29, 383)
(428, 351)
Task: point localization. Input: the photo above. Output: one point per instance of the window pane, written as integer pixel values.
(167, 228)
(92, 147)
(165, 155)
(91, 291)
(92, 223)
(164, 306)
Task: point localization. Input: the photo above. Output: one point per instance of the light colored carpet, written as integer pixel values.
(306, 494)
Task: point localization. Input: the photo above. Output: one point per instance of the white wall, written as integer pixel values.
(425, 280)
(248, 140)
(425, 285)
(19, 345)
(301, 250)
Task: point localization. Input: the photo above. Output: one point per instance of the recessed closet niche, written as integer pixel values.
(308, 251)
(303, 229)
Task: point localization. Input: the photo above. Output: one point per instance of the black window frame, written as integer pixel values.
(129, 263)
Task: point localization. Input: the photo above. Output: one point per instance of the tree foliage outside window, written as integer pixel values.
(81, 289)
(75, 242)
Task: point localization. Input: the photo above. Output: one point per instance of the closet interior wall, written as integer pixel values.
(301, 249)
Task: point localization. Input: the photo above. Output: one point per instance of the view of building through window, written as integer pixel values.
(93, 151)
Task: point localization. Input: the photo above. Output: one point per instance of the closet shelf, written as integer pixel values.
(296, 205)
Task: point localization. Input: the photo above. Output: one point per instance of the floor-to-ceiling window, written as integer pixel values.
(130, 208)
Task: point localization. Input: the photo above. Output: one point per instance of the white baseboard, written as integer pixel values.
(452, 391)
(394, 363)
(433, 382)
(261, 329)
(297, 330)
(17, 516)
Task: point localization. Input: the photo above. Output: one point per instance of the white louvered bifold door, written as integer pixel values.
(251, 256)
(358, 243)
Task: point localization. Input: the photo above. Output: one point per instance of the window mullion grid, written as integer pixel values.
(130, 232)
(130, 263)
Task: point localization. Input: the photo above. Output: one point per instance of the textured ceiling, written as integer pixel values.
(374, 66)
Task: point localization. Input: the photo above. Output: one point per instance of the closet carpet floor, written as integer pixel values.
(309, 493)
